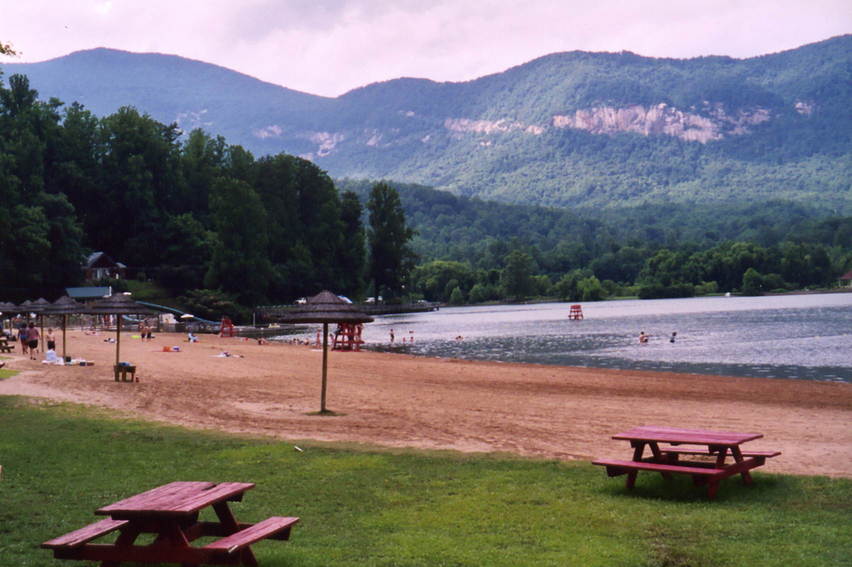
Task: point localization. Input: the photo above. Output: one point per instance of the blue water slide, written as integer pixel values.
(178, 311)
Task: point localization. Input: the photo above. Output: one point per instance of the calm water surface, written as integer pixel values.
(796, 336)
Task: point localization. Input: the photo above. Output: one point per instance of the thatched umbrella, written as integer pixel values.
(25, 308)
(325, 307)
(64, 306)
(117, 305)
(6, 309)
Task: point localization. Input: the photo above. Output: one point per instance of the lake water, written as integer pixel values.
(793, 336)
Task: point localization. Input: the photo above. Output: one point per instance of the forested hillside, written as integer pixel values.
(653, 250)
(224, 231)
(571, 129)
(204, 219)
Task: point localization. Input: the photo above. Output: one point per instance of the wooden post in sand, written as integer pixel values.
(324, 366)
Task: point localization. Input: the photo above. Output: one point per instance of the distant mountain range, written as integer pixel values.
(569, 129)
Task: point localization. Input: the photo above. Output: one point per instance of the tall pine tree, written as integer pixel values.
(391, 258)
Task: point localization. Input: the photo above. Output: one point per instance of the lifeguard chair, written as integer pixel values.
(226, 327)
(576, 313)
(347, 337)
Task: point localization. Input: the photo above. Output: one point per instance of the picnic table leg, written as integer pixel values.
(638, 450)
(174, 536)
(631, 479)
(126, 537)
(721, 454)
(738, 457)
(229, 522)
(712, 488)
(658, 458)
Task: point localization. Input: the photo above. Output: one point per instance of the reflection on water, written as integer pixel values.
(800, 336)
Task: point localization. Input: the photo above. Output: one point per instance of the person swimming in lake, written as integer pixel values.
(674, 335)
(643, 338)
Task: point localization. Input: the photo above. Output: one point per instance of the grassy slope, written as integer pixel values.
(363, 507)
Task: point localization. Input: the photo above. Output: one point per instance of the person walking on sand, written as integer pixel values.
(32, 340)
(22, 336)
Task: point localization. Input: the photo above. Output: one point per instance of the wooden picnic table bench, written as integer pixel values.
(122, 370)
(714, 446)
(171, 513)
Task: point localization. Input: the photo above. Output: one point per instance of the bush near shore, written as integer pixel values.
(362, 506)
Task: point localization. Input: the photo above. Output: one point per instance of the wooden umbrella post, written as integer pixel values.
(117, 337)
(324, 366)
(64, 325)
(38, 306)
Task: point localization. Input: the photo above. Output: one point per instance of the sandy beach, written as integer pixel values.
(397, 400)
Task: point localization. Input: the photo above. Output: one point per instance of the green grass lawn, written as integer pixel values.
(6, 373)
(381, 508)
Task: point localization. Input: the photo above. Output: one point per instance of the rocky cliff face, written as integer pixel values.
(714, 123)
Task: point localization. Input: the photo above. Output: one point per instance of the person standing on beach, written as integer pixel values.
(32, 340)
(22, 336)
(51, 340)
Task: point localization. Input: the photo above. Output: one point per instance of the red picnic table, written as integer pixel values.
(170, 512)
(712, 447)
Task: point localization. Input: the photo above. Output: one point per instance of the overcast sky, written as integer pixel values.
(328, 47)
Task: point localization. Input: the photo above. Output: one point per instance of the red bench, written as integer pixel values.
(680, 451)
(276, 527)
(84, 535)
(615, 467)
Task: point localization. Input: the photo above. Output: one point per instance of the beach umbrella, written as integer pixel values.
(6, 310)
(64, 306)
(25, 308)
(325, 307)
(118, 305)
(185, 318)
